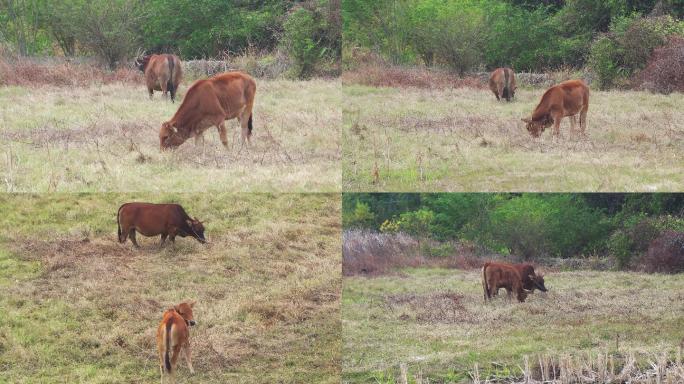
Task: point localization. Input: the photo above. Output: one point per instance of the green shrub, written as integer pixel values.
(360, 217)
(311, 36)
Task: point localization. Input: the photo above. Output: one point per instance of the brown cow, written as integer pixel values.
(514, 278)
(173, 334)
(565, 99)
(210, 102)
(157, 219)
(162, 73)
(502, 83)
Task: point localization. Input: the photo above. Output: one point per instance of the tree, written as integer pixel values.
(111, 28)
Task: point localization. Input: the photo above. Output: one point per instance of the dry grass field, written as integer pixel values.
(105, 138)
(462, 139)
(423, 325)
(78, 307)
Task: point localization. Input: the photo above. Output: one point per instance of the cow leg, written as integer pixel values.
(151, 92)
(163, 239)
(583, 121)
(497, 95)
(557, 117)
(573, 124)
(164, 90)
(244, 124)
(131, 234)
(188, 357)
(222, 133)
(174, 361)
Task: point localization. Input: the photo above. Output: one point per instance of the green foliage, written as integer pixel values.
(310, 31)
(361, 216)
(207, 28)
(417, 223)
(307, 37)
(470, 34)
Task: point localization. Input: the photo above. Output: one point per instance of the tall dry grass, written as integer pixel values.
(28, 72)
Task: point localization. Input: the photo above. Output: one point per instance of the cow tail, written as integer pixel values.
(507, 85)
(118, 223)
(484, 282)
(167, 346)
(169, 83)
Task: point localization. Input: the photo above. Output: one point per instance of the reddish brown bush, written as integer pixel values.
(27, 72)
(378, 75)
(665, 254)
(665, 70)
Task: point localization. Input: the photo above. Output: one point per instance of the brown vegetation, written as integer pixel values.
(29, 72)
(665, 70)
(372, 253)
(380, 75)
(665, 254)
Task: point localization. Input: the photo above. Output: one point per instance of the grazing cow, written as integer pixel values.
(157, 219)
(518, 279)
(502, 83)
(162, 73)
(210, 102)
(173, 334)
(565, 99)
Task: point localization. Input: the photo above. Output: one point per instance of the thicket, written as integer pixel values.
(113, 30)
(613, 38)
(528, 226)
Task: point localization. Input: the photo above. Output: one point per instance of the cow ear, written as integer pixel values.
(175, 308)
(189, 222)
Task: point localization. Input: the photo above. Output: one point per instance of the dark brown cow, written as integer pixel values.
(502, 83)
(210, 102)
(518, 279)
(162, 73)
(565, 99)
(167, 220)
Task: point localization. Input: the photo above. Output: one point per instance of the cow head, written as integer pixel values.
(185, 310)
(197, 229)
(169, 136)
(538, 281)
(141, 60)
(536, 127)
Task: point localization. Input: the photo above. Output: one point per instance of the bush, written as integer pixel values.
(630, 242)
(311, 36)
(360, 217)
(539, 226)
(665, 70)
(627, 47)
(665, 254)
(109, 29)
(417, 223)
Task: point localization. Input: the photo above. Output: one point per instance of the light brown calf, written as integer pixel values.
(173, 335)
